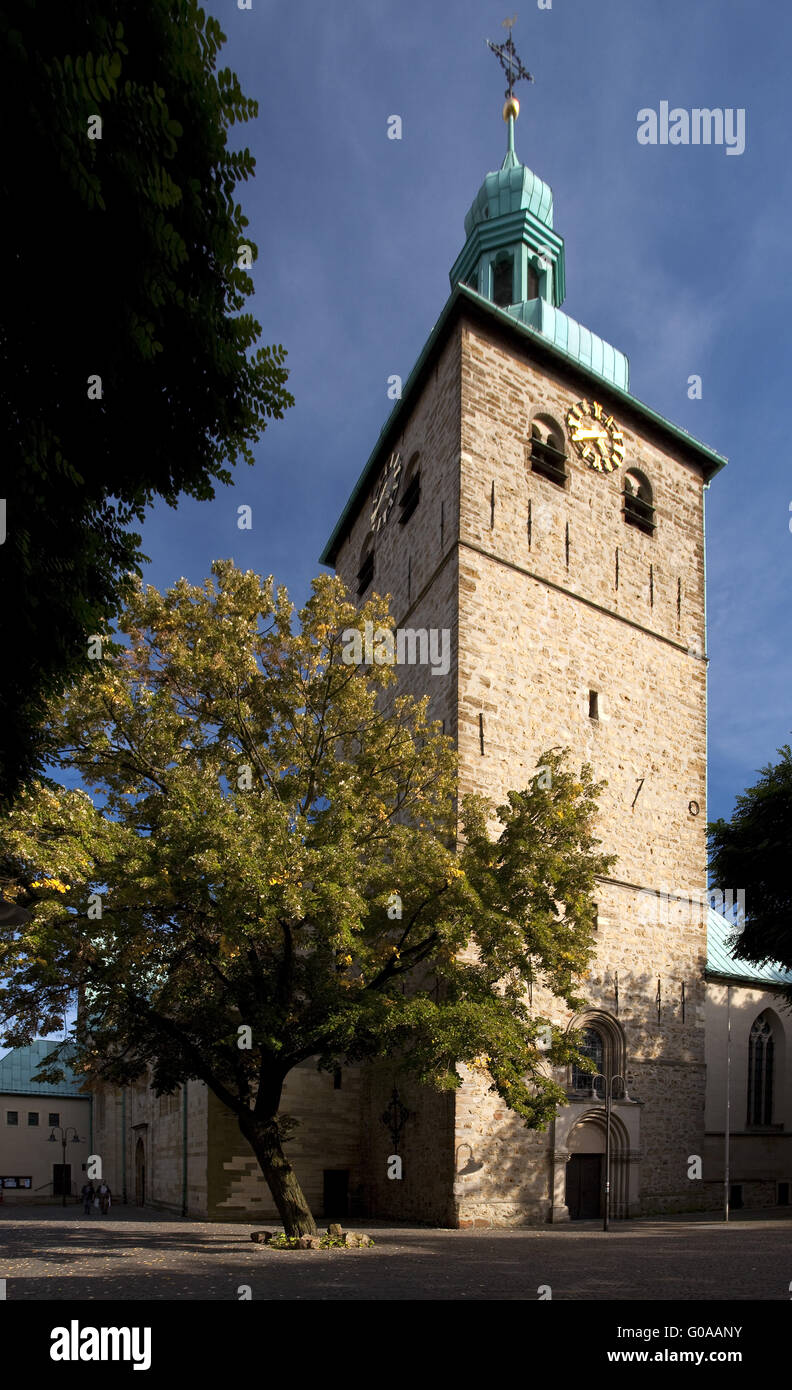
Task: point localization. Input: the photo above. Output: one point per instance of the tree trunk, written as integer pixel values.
(281, 1178)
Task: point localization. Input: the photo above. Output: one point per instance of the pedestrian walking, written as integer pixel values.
(87, 1193)
(105, 1197)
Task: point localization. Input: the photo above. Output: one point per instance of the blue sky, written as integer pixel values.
(674, 254)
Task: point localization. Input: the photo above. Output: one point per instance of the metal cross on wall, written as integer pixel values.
(395, 1118)
(506, 55)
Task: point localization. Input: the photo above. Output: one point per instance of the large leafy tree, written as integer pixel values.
(751, 853)
(277, 850)
(122, 263)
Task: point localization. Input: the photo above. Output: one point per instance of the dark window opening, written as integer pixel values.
(736, 1196)
(335, 1191)
(638, 507)
(547, 455)
(783, 1194)
(54, 1117)
(503, 282)
(33, 1117)
(410, 497)
(12, 1117)
(337, 1079)
(532, 284)
(366, 573)
(593, 704)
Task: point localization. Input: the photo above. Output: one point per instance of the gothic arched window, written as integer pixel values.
(548, 456)
(603, 1042)
(593, 1046)
(760, 1072)
(638, 502)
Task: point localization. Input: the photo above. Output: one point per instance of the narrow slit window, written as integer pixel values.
(593, 704)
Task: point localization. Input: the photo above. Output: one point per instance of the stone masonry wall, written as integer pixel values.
(122, 1119)
(327, 1137)
(416, 564)
(551, 595)
(537, 633)
(424, 1191)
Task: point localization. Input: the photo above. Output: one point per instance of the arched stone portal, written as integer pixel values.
(586, 1168)
(579, 1162)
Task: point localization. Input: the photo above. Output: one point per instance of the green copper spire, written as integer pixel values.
(512, 255)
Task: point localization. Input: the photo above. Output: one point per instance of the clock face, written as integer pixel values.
(596, 436)
(385, 495)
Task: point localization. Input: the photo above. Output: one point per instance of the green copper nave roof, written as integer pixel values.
(460, 297)
(19, 1066)
(721, 936)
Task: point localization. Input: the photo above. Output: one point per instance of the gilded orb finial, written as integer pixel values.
(511, 107)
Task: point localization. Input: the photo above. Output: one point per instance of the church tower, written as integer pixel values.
(521, 498)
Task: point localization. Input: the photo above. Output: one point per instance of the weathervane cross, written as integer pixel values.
(506, 55)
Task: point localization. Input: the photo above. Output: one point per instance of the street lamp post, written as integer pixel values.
(608, 1092)
(64, 1139)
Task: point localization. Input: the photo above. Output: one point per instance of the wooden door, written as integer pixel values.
(584, 1187)
(61, 1179)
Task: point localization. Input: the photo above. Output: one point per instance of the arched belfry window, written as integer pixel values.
(532, 283)
(411, 489)
(365, 573)
(638, 502)
(760, 1072)
(548, 455)
(503, 281)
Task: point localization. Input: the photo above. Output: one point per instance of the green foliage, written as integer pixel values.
(262, 802)
(752, 851)
(121, 260)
